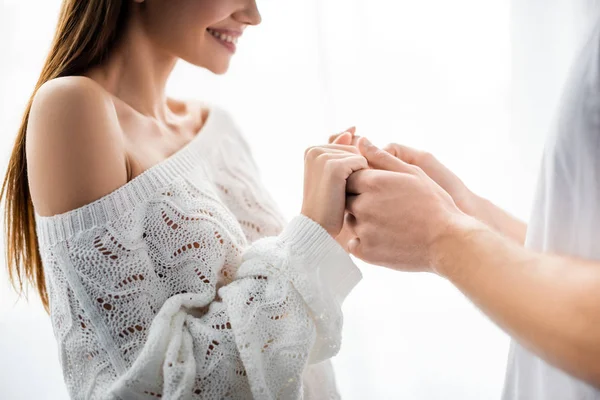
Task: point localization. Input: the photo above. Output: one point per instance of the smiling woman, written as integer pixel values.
(166, 267)
(399, 71)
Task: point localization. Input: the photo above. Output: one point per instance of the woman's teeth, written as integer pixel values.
(223, 37)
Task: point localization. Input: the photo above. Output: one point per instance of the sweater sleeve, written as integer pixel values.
(250, 334)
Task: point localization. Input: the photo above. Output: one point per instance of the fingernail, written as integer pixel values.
(367, 143)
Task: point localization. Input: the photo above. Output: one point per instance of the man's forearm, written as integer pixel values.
(550, 304)
(500, 220)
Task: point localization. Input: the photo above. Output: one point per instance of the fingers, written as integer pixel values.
(315, 151)
(326, 171)
(351, 130)
(381, 159)
(419, 158)
(361, 181)
(355, 163)
(353, 139)
(344, 139)
(345, 163)
(405, 153)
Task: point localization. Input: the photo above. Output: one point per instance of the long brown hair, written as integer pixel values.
(86, 33)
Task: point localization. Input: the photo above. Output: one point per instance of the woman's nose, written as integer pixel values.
(249, 15)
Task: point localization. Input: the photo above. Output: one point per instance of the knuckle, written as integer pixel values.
(307, 152)
(312, 152)
(426, 157)
(353, 150)
(334, 146)
(329, 165)
(395, 149)
(415, 169)
(393, 146)
(376, 181)
(379, 155)
(364, 162)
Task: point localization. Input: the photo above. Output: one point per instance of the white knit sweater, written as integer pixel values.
(184, 283)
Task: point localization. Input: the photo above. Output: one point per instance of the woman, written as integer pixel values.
(163, 262)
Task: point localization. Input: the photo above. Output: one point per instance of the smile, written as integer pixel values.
(223, 37)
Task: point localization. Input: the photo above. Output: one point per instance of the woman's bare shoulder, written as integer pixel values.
(74, 145)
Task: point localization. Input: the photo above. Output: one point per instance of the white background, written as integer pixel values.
(433, 74)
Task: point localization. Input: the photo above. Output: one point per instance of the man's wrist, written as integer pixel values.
(452, 244)
(477, 207)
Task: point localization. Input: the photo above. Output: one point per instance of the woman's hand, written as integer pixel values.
(352, 131)
(326, 169)
(347, 234)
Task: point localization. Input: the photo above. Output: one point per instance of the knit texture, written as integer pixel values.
(186, 283)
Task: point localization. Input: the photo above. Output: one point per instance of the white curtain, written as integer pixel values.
(433, 74)
(546, 34)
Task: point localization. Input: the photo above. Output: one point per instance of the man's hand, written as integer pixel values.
(397, 212)
(462, 196)
(406, 221)
(467, 201)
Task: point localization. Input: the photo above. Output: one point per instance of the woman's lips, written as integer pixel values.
(226, 37)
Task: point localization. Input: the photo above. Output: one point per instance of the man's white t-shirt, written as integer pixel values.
(566, 213)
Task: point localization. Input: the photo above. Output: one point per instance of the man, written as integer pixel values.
(540, 283)
(410, 213)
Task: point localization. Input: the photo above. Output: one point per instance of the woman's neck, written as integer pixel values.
(137, 72)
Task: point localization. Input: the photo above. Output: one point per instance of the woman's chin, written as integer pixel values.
(218, 68)
(221, 70)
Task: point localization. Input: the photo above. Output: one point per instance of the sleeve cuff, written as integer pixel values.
(322, 254)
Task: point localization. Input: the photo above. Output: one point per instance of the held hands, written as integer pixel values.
(326, 169)
(399, 201)
(397, 212)
(466, 200)
(353, 136)
(401, 206)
